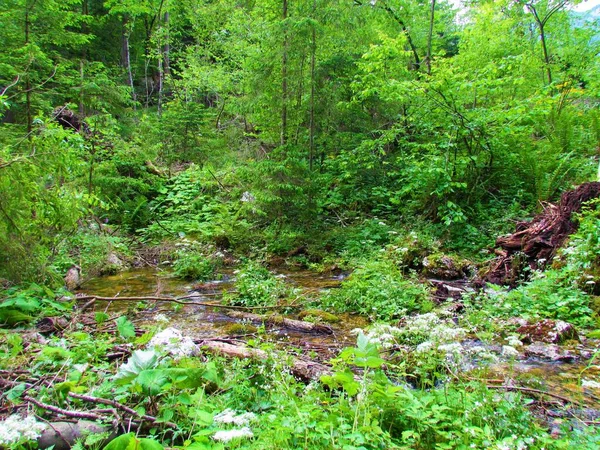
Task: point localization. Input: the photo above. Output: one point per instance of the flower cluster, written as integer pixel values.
(228, 435)
(230, 416)
(172, 341)
(17, 429)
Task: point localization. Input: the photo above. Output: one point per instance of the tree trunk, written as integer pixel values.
(313, 51)
(126, 58)
(430, 36)
(284, 75)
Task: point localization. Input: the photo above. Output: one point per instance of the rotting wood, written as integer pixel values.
(299, 325)
(300, 368)
(534, 243)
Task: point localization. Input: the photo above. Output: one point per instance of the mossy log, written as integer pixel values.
(278, 320)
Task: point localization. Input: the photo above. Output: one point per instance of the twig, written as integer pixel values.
(535, 391)
(117, 405)
(178, 300)
(64, 412)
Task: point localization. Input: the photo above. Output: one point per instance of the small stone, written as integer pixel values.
(549, 331)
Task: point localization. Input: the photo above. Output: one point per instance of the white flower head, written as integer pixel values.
(228, 435)
(174, 342)
(230, 416)
(509, 351)
(16, 428)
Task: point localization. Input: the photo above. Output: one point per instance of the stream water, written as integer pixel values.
(201, 322)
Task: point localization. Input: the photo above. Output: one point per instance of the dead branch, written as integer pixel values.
(535, 392)
(178, 300)
(64, 412)
(117, 405)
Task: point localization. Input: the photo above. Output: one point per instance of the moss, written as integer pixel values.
(322, 316)
(239, 328)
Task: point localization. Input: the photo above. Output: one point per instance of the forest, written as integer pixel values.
(299, 224)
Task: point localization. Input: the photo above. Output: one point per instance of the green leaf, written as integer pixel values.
(130, 442)
(153, 381)
(125, 327)
(140, 360)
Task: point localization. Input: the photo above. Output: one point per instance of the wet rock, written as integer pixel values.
(73, 278)
(551, 352)
(112, 265)
(549, 331)
(444, 267)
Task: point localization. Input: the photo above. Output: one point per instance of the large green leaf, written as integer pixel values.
(139, 361)
(130, 442)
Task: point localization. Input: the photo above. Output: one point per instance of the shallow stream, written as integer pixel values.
(201, 322)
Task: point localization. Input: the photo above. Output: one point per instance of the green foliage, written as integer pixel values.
(257, 286)
(192, 264)
(130, 442)
(379, 290)
(24, 304)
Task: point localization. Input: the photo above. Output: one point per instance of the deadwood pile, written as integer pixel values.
(535, 242)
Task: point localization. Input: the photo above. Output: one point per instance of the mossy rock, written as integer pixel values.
(236, 329)
(595, 304)
(445, 267)
(322, 316)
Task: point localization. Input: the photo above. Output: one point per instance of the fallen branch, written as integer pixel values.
(535, 391)
(305, 370)
(299, 325)
(64, 412)
(117, 405)
(178, 300)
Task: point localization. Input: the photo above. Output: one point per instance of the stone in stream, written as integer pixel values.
(551, 352)
(548, 331)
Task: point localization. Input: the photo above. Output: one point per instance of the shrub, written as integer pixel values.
(379, 290)
(256, 286)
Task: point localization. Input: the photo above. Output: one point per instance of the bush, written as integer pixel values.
(256, 286)
(379, 290)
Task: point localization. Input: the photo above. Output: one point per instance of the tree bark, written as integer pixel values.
(284, 75)
(430, 36)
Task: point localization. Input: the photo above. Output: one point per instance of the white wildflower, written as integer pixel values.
(450, 349)
(424, 347)
(509, 351)
(247, 197)
(230, 416)
(514, 341)
(228, 435)
(161, 318)
(590, 383)
(16, 428)
(174, 342)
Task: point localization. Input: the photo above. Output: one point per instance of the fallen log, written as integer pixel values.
(277, 320)
(63, 435)
(303, 369)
